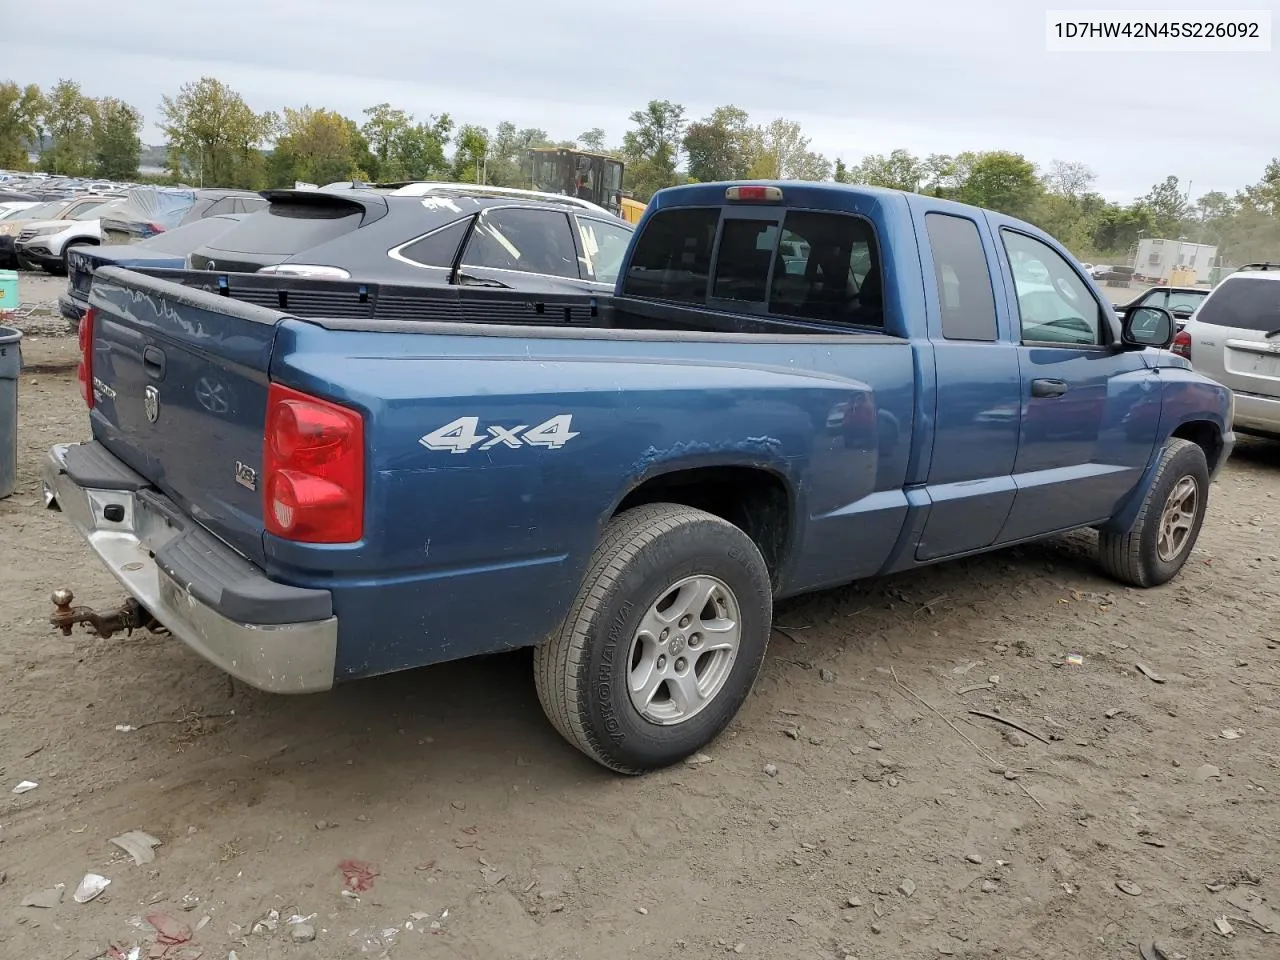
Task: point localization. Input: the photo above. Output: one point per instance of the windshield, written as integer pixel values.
(43, 211)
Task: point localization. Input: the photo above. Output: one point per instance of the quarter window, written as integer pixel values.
(439, 247)
(964, 283)
(603, 247)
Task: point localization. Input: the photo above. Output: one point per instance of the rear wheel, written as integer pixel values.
(664, 640)
(1161, 539)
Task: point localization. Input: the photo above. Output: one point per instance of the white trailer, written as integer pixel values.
(1157, 258)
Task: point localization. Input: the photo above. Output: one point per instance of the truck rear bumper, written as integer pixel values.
(275, 637)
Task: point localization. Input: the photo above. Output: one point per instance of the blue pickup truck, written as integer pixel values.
(794, 386)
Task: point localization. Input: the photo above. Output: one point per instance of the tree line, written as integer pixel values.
(215, 139)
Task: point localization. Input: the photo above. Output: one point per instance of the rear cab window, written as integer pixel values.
(788, 263)
(1242, 302)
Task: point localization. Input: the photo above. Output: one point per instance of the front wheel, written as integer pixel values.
(1156, 547)
(664, 640)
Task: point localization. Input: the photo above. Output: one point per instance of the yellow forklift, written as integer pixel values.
(595, 177)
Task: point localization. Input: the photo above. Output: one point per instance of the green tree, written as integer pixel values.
(900, 170)
(315, 146)
(214, 137)
(781, 152)
(21, 112)
(384, 129)
(1168, 205)
(1000, 180)
(508, 159)
(593, 140)
(470, 153)
(117, 144)
(652, 147)
(841, 173)
(419, 150)
(69, 118)
(720, 146)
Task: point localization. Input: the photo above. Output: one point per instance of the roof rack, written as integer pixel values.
(1264, 265)
(426, 188)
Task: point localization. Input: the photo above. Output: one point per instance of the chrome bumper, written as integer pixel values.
(275, 657)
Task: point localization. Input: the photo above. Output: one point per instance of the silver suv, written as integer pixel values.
(1234, 337)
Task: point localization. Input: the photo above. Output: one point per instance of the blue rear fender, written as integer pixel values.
(482, 550)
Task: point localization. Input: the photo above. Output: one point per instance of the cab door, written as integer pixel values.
(977, 412)
(1090, 411)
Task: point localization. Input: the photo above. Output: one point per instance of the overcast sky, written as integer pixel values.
(862, 76)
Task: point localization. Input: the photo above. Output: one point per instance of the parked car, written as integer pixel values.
(44, 244)
(150, 210)
(1234, 337)
(164, 250)
(1182, 302)
(460, 236)
(307, 501)
(12, 227)
(11, 207)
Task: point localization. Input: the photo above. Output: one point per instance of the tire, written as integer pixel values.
(1138, 556)
(646, 557)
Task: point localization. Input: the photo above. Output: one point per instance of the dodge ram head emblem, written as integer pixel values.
(151, 403)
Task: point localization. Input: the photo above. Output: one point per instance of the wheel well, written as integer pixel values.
(756, 501)
(1204, 435)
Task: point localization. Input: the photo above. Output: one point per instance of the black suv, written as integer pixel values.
(431, 235)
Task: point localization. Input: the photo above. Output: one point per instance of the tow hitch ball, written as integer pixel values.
(128, 617)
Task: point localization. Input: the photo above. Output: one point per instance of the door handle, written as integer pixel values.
(153, 362)
(1048, 388)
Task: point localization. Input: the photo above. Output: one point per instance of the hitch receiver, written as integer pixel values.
(129, 616)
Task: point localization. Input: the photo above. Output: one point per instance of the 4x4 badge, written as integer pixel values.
(151, 403)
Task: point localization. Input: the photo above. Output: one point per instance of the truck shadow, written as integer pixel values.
(1256, 452)
(481, 719)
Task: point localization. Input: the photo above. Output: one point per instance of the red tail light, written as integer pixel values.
(84, 372)
(313, 463)
(1182, 344)
(155, 228)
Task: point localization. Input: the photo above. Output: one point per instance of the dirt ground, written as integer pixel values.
(898, 825)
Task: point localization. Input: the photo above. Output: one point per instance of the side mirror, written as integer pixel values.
(1147, 327)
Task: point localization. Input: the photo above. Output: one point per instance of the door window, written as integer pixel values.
(1054, 304)
(523, 240)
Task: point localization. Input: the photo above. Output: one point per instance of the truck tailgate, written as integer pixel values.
(180, 395)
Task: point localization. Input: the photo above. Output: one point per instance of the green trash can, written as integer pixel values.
(8, 291)
(10, 367)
